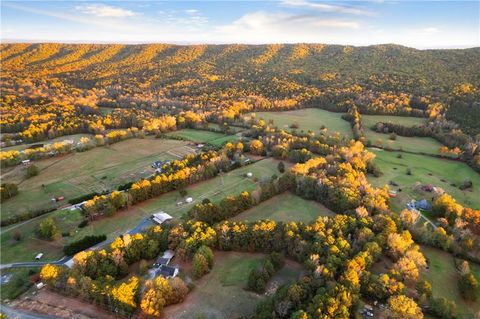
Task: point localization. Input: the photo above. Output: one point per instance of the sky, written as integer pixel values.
(419, 24)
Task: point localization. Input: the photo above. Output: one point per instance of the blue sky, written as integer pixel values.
(420, 24)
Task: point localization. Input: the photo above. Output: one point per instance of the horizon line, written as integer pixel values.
(35, 41)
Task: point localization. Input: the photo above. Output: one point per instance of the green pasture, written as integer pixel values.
(307, 120)
(443, 276)
(425, 170)
(285, 207)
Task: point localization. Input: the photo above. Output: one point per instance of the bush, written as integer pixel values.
(199, 266)
(277, 260)
(8, 190)
(83, 223)
(82, 244)
(468, 286)
(32, 170)
(442, 308)
(281, 167)
(29, 215)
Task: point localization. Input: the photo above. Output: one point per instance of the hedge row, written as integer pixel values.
(25, 216)
(82, 244)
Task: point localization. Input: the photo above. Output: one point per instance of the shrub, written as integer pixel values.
(8, 190)
(281, 167)
(32, 170)
(277, 260)
(468, 286)
(442, 308)
(82, 244)
(48, 229)
(199, 266)
(83, 223)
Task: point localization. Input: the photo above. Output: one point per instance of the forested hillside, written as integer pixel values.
(47, 82)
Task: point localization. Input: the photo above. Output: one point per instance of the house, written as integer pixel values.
(167, 271)
(161, 217)
(423, 204)
(165, 258)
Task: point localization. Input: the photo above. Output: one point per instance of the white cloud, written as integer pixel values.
(326, 7)
(101, 10)
(191, 11)
(430, 30)
(261, 27)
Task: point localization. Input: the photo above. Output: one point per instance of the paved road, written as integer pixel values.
(14, 313)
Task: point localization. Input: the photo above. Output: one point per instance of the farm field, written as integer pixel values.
(228, 278)
(285, 207)
(308, 120)
(215, 189)
(425, 170)
(96, 170)
(202, 136)
(443, 276)
(425, 145)
(370, 120)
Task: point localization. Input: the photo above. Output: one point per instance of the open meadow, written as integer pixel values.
(443, 276)
(96, 170)
(443, 173)
(425, 145)
(202, 136)
(215, 189)
(311, 119)
(228, 277)
(285, 207)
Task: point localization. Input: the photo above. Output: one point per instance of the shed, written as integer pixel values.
(161, 217)
(188, 199)
(249, 174)
(26, 162)
(39, 256)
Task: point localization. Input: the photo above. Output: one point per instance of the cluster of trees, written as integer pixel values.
(258, 278)
(8, 190)
(202, 261)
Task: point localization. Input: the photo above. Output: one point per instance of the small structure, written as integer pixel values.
(249, 174)
(157, 165)
(161, 217)
(59, 199)
(200, 145)
(165, 258)
(39, 256)
(167, 271)
(423, 204)
(40, 285)
(392, 193)
(188, 200)
(26, 162)
(427, 188)
(247, 161)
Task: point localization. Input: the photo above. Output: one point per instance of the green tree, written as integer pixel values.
(48, 229)
(199, 266)
(468, 286)
(32, 170)
(281, 167)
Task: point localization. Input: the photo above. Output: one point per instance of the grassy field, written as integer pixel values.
(444, 279)
(370, 120)
(285, 207)
(215, 189)
(425, 170)
(221, 294)
(197, 136)
(425, 145)
(96, 170)
(308, 120)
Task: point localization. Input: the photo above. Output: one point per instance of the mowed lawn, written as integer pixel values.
(425, 145)
(285, 207)
(215, 189)
(443, 276)
(425, 170)
(307, 120)
(221, 294)
(96, 170)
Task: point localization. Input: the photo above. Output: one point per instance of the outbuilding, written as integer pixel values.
(39, 256)
(161, 217)
(188, 200)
